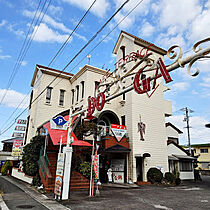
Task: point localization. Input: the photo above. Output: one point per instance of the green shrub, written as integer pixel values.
(154, 175)
(5, 168)
(169, 177)
(37, 181)
(31, 154)
(85, 169)
(177, 181)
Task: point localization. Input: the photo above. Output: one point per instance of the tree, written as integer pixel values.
(31, 154)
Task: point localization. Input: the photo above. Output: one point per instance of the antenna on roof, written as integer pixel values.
(89, 56)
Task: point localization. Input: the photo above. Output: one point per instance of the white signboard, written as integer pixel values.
(15, 134)
(119, 131)
(21, 121)
(20, 128)
(59, 123)
(59, 174)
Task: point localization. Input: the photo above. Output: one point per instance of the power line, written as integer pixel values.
(70, 62)
(18, 59)
(65, 43)
(59, 51)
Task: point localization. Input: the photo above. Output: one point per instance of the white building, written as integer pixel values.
(146, 150)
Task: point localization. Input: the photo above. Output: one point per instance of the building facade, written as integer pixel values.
(143, 147)
(203, 153)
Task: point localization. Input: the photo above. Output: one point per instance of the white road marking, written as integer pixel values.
(162, 207)
(193, 188)
(204, 201)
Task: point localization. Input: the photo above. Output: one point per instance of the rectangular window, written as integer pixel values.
(83, 88)
(204, 150)
(185, 165)
(96, 86)
(61, 100)
(123, 96)
(31, 99)
(77, 88)
(72, 93)
(123, 119)
(48, 95)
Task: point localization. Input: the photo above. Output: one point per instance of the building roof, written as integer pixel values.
(11, 140)
(174, 127)
(201, 145)
(50, 71)
(140, 42)
(177, 145)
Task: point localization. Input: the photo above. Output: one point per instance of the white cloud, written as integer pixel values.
(3, 57)
(180, 86)
(17, 32)
(13, 98)
(23, 63)
(147, 29)
(198, 133)
(2, 23)
(178, 12)
(200, 26)
(55, 10)
(57, 25)
(46, 34)
(141, 10)
(99, 8)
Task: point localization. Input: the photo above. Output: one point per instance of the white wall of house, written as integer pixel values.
(174, 150)
(171, 132)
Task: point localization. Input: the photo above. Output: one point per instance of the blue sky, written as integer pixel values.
(163, 23)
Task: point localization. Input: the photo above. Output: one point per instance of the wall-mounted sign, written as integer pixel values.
(59, 174)
(141, 129)
(120, 75)
(16, 134)
(21, 121)
(16, 148)
(59, 123)
(20, 128)
(119, 131)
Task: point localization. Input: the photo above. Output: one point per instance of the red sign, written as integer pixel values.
(119, 131)
(17, 143)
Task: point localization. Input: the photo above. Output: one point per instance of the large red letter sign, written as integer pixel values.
(146, 83)
(91, 106)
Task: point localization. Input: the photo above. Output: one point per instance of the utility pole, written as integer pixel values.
(188, 126)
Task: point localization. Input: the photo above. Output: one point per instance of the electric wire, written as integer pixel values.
(18, 59)
(69, 63)
(58, 52)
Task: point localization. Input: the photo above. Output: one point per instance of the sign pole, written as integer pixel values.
(68, 157)
(91, 170)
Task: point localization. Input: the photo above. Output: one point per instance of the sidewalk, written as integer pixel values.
(32, 192)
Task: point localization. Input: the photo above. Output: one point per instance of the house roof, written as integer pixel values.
(138, 41)
(201, 145)
(174, 127)
(117, 148)
(50, 71)
(11, 140)
(177, 145)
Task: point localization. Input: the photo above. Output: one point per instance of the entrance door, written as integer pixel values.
(139, 168)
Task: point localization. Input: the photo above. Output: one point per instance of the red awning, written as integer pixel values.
(56, 136)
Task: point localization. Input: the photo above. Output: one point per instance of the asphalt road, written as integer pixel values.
(189, 195)
(15, 198)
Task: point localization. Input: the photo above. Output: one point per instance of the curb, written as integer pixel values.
(41, 198)
(3, 205)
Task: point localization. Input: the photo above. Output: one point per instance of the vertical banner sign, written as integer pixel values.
(59, 174)
(16, 148)
(20, 128)
(96, 163)
(119, 131)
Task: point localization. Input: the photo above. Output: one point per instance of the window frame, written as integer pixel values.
(48, 93)
(61, 99)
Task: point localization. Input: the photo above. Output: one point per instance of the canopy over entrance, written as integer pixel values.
(56, 134)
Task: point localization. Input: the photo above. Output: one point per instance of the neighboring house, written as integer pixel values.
(203, 153)
(173, 132)
(6, 153)
(178, 158)
(135, 154)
